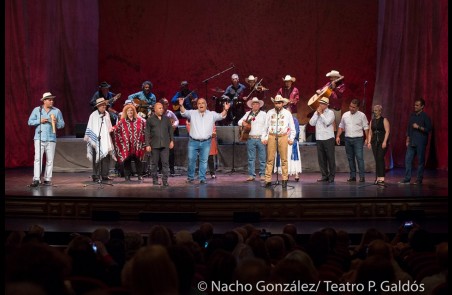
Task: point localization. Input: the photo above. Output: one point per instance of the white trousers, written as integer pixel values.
(49, 148)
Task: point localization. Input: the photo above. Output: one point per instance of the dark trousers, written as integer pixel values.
(128, 165)
(171, 162)
(161, 154)
(327, 158)
(211, 164)
(354, 150)
(411, 152)
(102, 167)
(379, 156)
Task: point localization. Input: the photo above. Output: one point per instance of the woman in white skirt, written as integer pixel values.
(293, 155)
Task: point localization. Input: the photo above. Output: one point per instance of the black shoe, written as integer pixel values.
(95, 178)
(362, 179)
(106, 178)
(323, 180)
(35, 183)
(172, 174)
(190, 181)
(47, 182)
(127, 178)
(284, 184)
(331, 180)
(351, 179)
(213, 176)
(268, 184)
(297, 179)
(140, 178)
(405, 181)
(202, 182)
(155, 182)
(418, 181)
(381, 182)
(165, 183)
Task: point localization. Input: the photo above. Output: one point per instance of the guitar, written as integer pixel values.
(111, 101)
(176, 105)
(324, 92)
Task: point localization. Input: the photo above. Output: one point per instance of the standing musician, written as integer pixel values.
(254, 121)
(279, 132)
(128, 139)
(104, 91)
(144, 100)
(189, 96)
(234, 95)
(337, 87)
(290, 92)
(254, 89)
(175, 124)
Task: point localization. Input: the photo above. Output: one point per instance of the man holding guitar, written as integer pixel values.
(104, 91)
(335, 87)
(190, 98)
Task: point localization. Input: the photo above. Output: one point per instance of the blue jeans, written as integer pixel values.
(411, 152)
(252, 144)
(202, 148)
(354, 149)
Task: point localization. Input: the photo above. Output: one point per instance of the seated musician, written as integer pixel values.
(234, 95)
(104, 91)
(337, 90)
(254, 89)
(189, 101)
(290, 92)
(144, 100)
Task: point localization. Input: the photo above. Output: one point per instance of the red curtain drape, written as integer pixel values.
(68, 47)
(412, 62)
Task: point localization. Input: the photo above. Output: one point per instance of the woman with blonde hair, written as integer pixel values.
(129, 141)
(378, 140)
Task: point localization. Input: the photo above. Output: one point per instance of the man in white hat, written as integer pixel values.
(254, 89)
(234, 94)
(46, 118)
(290, 92)
(279, 132)
(254, 122)
(100, 148)
(337, 87)
(323, 120)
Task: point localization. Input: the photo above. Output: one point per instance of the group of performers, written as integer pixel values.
(145, 125)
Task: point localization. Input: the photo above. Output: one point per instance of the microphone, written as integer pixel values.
(365, 82)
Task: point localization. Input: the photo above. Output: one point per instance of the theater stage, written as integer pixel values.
(227, 198)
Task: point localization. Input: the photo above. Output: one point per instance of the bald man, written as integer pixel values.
(159, 140)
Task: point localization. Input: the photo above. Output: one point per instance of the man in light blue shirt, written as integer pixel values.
(200, 136)
(146, 97)
(46, 119)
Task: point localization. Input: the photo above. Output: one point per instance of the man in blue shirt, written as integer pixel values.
(46, 119)
(234, 95)
(419, 126)
(146, 99)
(190, 98)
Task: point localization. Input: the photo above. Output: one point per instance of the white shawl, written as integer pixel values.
(92, 139)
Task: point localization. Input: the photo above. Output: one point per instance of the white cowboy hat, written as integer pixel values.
(324, 100)
(250, 102)
(280, 98)
(333, 73)
(289, 78)
(250, 78)
(47, 95)
(100, 101)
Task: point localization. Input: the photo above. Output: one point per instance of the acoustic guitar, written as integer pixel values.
(326, 91)
(176, 105)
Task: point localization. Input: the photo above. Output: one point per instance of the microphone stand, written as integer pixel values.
(217, 74)
(364, 97)
(40, 140)
(99, 167)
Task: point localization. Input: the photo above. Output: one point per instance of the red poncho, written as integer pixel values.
(128, 138)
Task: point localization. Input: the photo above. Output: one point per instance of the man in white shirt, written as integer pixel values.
(323, 120)
(279, 132)
(354, 123)
(254, 120)
(200, 136)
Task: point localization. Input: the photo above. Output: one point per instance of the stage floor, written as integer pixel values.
(225, 186)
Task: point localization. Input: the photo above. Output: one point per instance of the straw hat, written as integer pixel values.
(280, 98)
(47, 95)
(250, 78)
(250, 102)
(100, 101)
(333, 73)
(289, 78)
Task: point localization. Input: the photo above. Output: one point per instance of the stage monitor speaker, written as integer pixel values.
(225, 134)
(247, 216)
(168, 216)
(105, 215)
(80, 129)
(410, 215)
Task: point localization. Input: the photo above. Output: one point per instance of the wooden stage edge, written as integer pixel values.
(247, 210)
